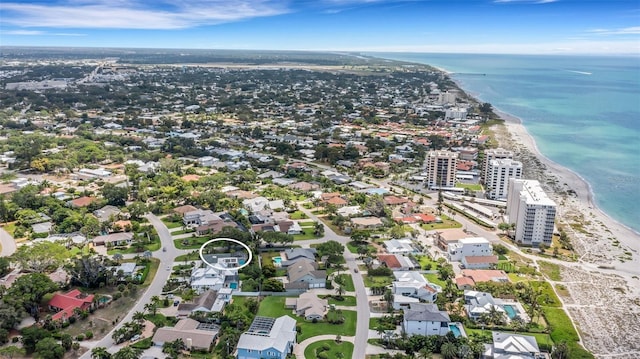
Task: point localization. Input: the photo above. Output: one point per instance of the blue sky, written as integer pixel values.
(473, 26)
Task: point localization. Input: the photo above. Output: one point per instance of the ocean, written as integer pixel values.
(582, 111)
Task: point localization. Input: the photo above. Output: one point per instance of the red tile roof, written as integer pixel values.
(82, 201)
(390, 260)
(69, 301)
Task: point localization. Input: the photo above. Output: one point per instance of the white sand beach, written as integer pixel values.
(602, 293)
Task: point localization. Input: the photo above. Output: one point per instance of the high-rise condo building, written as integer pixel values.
(494, 154)
(498, 175)
(441, 169)
(532, 211)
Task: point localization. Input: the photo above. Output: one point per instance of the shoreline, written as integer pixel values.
(609, 229)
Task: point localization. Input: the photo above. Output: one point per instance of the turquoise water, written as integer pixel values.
(455, 330)
(277, 260)
(511, 312)
(583, 112)
(233, 285)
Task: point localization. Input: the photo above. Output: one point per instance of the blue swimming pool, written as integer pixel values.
(233, 285)
(455, 330)
(277, 260)
(511, 311)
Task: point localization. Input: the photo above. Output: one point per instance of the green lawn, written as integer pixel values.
(433, 278)
(470, 186)
(375, 281)
(297, 215)
(170, 224)
(551, 270)
(307, 234)
(274, 307)
(548, 297)
(10, 228)
(348, 301)
(374, 322)
(543, 339)
(307, 224)
(153, 246)
(183, 231)
(348, 282)
(353, 247)
(446, 223)
(190, 243)
(425, 260)
(562, 330)
(344, 348)
(194, 256)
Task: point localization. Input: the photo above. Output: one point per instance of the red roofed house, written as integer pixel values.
(64, 304)
(394, 201)
(426, 218)
(82, 201)
(337, 201)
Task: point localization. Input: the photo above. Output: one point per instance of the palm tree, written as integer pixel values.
(151, 307)
(117, 257)
(449, 350)
(100, 353)
(424, 353)
(340, 291)
(496, 316)
(128, 353)
(138, 317)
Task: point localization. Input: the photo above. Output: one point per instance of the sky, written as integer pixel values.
(450, 26)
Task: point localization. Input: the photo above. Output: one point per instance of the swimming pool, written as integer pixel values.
(455, 330)
(233, 285)
(277, 260)
(511, 311)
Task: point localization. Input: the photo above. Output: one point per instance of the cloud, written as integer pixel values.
(38, 33)
(633, 30)
(136, 14)
(23, 32)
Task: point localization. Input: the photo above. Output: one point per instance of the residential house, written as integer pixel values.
(400, 246)
(509, 345)
(394, 201)
(288, 227)
(446, 236)
(271, 338)
(470, 277)
(413, 285)
(207, 302)
(366, 222)
(304, 186)
(397, 262)
(476, 246)
(65, 304)
(478, 304)
(106, 213)
(195, 335)
(256, 204)
(114, 239)
(182, 210)
(80, 202)
(305, 273)
(291, 255)
(425, 319)
(308, 305)
(212, 278)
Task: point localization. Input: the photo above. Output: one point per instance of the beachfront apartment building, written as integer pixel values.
(498, 174)
(494, 154)
(441, 169)
(533, 212)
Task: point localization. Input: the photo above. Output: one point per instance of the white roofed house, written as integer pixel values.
(271, 338)
(195, 335)
(114, 239)
(212, 278)
(400, 246)
(410, 285)
(508, 345)
(256, 204)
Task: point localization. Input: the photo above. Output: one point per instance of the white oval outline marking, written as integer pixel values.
(231, 240)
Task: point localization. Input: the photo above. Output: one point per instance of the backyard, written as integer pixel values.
(329, 349)
(274, 307)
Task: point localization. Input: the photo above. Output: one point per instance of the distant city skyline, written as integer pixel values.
(474, 26)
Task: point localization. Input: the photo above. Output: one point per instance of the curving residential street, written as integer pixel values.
(362, 325)
(155, 288)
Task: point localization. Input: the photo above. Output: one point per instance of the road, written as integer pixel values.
(8, 244)
(362, 301)
(155, 288)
